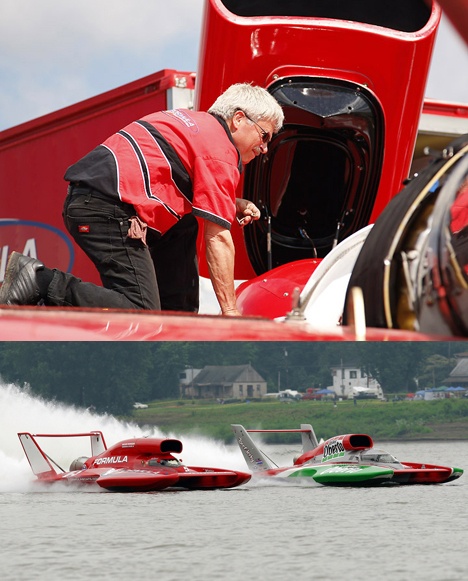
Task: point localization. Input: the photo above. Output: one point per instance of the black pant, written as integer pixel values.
(162, 275)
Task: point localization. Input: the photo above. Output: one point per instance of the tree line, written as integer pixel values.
(110, 377)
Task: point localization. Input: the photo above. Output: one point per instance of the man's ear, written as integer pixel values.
(237, 118)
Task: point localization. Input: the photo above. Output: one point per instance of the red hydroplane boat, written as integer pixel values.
(135, 465)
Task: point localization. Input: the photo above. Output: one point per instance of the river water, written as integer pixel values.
(259, 531)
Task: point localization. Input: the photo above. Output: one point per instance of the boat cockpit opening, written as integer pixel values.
(403, 15)
(378, 456)
(172, 462)
(318, 182)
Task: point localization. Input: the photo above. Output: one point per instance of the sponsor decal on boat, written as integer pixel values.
(248, 452)
(111, 460)
(333, 449)
(341, 470)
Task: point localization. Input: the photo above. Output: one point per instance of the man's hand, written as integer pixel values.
(246, 211)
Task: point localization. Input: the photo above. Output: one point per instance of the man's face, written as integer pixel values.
(251, 139)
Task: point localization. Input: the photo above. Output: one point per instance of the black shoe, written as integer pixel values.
(20, 285)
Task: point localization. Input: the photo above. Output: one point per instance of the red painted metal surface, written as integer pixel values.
(270, 295)
(392, 65)
(445, 108)
(422, 474)
(73, 324)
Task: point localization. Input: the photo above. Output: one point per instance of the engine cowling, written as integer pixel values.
(337, 447)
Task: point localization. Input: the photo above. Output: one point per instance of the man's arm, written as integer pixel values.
(220, 260)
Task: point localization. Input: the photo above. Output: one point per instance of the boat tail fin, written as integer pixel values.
(309, 439)
(98, 444)
(38, 460)
(255, 458)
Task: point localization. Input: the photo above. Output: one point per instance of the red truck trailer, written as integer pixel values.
(35, 155)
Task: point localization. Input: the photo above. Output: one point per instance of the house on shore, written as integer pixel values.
(458, 377)
(350, 381)
(223, 383)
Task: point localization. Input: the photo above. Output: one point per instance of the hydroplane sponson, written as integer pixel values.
(347, 460)
(134, 465)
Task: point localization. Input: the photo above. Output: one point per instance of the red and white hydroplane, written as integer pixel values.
(134, 465)
(346, 460)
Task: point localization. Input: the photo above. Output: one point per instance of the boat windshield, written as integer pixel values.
(379, 456)
(163, 462)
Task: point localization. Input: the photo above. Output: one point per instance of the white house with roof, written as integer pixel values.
(351, 381)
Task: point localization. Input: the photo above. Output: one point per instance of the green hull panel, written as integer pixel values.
(344, 474)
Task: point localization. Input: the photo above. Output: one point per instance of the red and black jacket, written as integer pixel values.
(166, 165)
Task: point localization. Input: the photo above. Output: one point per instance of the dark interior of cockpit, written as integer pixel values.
(404, 15)
(318, 182)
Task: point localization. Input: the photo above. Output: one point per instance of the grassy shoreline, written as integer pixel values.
(445, 419)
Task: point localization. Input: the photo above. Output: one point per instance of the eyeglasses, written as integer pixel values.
(266, 137)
